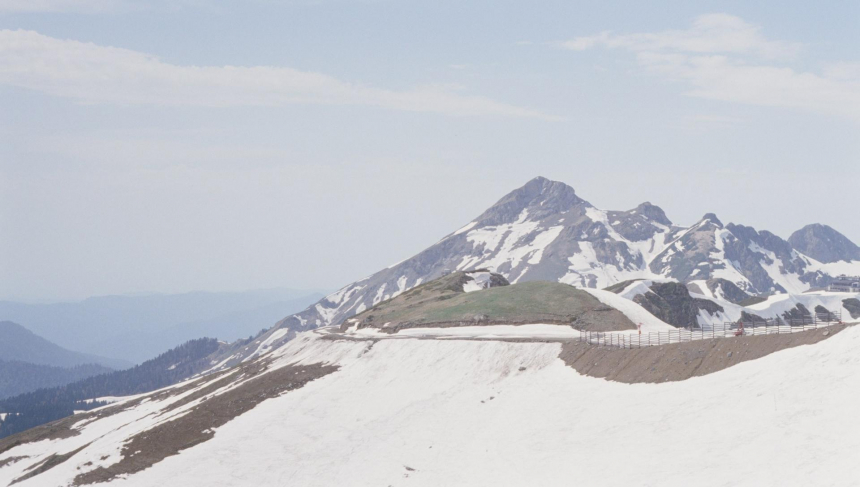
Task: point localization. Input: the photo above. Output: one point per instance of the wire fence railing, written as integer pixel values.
(776, 326)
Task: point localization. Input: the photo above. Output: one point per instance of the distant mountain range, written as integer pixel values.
(20, 344)
(544, 231)
(135, 328)
(29, 362)
(46, 404)
(43, 381)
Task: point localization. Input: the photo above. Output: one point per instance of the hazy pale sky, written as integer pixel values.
(154, 146)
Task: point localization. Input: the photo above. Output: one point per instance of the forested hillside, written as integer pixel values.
(44, 405)
(18, 377)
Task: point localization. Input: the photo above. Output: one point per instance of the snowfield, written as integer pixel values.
(408, 412)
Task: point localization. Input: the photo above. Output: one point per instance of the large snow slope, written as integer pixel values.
(409, 412)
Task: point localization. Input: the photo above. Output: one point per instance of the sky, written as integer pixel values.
(152, 146)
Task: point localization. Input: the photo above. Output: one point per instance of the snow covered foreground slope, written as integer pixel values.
(544, 231)
(406, 412)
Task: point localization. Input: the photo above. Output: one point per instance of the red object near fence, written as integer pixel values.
(740, 330)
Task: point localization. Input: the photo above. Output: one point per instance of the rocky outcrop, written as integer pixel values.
(672, 303)
(726, 290)
(824, 244)
(825, 314)
(798, 313)
(751, 318)
(689, 257)
(853, 307)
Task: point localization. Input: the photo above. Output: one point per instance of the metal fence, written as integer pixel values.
(776, 326)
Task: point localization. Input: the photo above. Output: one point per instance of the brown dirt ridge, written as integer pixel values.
(681, 361)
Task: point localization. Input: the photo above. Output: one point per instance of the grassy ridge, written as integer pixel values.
(443, 303)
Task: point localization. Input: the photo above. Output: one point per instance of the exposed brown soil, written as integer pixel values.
(11, 460)
(47, 464)
(680, 361)
(248, 370)
(56, 430)
(152, 446)
(61, 428)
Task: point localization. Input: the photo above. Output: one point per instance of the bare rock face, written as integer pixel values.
(541, 197)
(640, 223)
(853, 307)
(672, 303)
(727, 290)
(824, 244)
(825, 314)
(690, 256)
(798, 313)
(481, 279)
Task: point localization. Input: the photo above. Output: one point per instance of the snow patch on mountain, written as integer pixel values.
(851, 268)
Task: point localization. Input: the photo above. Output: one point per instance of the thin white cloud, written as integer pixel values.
(44, 6)
(90, 73)
(711, 33)
(724, 58)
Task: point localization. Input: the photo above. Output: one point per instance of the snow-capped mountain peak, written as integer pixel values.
(545, 231)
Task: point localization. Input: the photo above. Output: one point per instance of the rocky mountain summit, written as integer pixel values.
(824, 244)
(544, 231)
